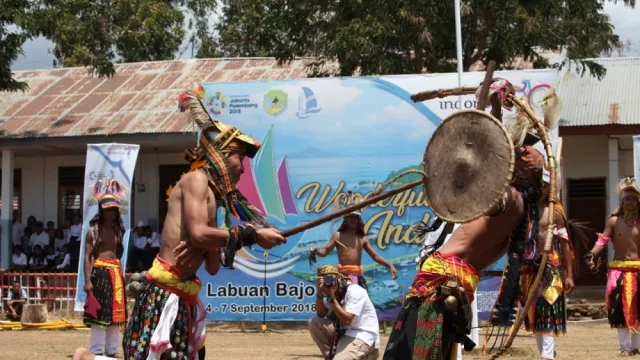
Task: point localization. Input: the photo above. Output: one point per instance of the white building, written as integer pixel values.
(44, 133)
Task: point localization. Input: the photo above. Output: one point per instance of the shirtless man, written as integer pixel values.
(103, 249)
(424, 329)
(168, 320)
(547, 316)
(351, 239)
(622, 229)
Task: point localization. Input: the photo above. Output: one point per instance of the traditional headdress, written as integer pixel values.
(627, 184)
(329, 270)
(108, 193)
(350, 199)
(523, 132)
(215, 142)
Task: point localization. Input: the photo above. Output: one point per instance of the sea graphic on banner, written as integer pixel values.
(347, 134)
(105, 161)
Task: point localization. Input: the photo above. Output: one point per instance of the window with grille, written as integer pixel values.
(17, 189)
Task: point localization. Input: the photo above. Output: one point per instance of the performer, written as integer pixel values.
(168, 320)
(431, 321)
(352, 240)
(547, 316)
(622, 279)
(104, 282)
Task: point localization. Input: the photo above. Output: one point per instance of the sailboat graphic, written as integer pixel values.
(307, 103)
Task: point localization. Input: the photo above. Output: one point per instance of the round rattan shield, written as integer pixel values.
(469, 163)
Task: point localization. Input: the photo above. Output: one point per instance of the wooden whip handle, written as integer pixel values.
(349, 209)
(441, 93)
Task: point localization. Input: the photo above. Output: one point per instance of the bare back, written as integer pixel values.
(174, 230)
(626, 239)
(351, 252)
(483, 241)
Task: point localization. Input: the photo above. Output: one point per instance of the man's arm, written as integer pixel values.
(194, 189)
(566, 252)
(354, 301)
(212, 261)
(605, 237)
(329, 247)
(377, 258)
(88, 248)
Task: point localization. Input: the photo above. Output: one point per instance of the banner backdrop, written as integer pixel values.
(322, 138)
(113, 161)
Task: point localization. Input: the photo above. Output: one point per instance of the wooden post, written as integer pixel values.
(35, 314)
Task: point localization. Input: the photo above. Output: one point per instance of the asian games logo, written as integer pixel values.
(533, 94)
(217, 103)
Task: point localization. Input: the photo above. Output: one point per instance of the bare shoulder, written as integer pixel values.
(515, 202)
(611, 221)
(194, 182)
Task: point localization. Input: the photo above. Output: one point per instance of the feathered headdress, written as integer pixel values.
(627, 184)
(212, 131)
(108, 193)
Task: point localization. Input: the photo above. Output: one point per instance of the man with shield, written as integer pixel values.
(622, 281)
(437, 312)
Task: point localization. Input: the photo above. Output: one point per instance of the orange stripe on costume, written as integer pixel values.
(351, 269)
(117, 284)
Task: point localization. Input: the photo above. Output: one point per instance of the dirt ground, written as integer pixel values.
(591, 340)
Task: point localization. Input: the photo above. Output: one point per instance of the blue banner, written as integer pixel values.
(322, 138)
(106, 161)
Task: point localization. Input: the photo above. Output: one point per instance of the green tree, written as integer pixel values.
(401, 37)
(98, 33)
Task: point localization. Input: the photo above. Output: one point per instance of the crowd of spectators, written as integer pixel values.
(37, 248)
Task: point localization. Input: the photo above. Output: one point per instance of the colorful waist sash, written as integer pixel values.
(117, 284)
(169, 278)
(554, 288)
(628, 269)
(356, 270)
(437, 269)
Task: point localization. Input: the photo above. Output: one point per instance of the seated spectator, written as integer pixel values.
(153, 239)
(52, 258)
(17, 299)
(18, 260)
(59, 241)
(38, 261)
(75, 237)
(65, 266)
(140, 244)
(39, 237)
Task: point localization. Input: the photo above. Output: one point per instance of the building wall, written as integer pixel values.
(39, 188)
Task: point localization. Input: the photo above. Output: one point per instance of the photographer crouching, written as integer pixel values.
(346, 327)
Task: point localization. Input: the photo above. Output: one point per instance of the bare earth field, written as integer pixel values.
(586, 340)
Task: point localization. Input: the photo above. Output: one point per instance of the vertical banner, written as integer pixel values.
(322, 138)
(106, 161)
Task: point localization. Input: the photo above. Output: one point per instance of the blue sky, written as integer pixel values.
(37, 56)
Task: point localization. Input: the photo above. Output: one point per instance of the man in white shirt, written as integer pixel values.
(75, 237)
(40, 237)
(354, 334)
(18, 259)
(16, 301)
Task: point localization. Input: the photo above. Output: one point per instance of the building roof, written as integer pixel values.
(140, 99)
(587, 101)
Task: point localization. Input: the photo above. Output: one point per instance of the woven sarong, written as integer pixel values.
(424, 330)
(622, 294)
(108, 289)
(168, 320)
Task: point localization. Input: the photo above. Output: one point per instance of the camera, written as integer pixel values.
(328, 281)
